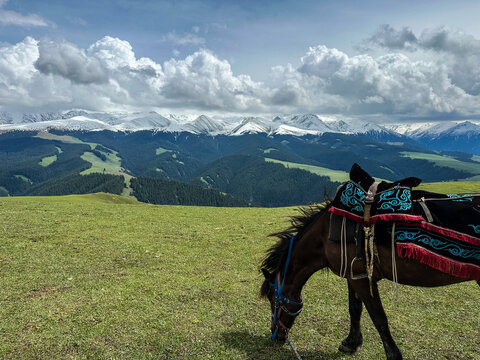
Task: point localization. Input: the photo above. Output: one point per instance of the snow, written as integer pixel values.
(297, 125)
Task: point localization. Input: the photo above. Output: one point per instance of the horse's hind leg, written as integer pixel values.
(374, 307)
(354, 338)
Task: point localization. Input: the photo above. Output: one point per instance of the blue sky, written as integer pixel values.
(256, 57)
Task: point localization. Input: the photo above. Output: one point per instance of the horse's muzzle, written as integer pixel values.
(280, 337)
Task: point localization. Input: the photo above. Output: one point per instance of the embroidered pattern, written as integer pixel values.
(437, 244)
(353, 197)
(453, 196)
(476, 228)
(395, 200)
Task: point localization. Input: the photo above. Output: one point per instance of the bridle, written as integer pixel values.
(281, 300)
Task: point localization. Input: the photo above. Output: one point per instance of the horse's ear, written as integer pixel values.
(361, 177)
(267, 275)
(410, 182)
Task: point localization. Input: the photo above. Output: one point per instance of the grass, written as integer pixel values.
(24, 178)
(104, 277)
(112, 165)
(451, 187)
(334, 175)
(269, 150)
(64, 138)
(446, 161)
(160, 151)
(48, 160)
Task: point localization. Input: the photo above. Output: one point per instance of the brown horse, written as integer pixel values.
(312, 251)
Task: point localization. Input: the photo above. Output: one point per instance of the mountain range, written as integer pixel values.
(461, 135)
(279, 161)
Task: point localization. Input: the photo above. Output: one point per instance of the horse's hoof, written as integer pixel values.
(346, 349)
(349, 347)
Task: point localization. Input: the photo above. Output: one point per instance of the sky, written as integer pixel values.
(407, 60)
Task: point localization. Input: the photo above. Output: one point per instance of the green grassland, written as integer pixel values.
(160, 151)
(112, 164)
(48, 160)
(451, 187)
(64, 138)
(104, 277)
(334, 175)
(446, 161)
(24, 178)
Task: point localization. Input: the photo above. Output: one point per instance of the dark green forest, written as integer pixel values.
(233, 165)
(80, 184)
(168, 192)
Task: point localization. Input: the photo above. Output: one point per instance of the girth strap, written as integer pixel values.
(425, 209)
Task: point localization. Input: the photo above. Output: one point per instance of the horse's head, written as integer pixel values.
(288, 265)
(284, 309)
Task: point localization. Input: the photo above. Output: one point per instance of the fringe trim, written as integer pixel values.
(441, 263)
(409, 220)
(447, 232)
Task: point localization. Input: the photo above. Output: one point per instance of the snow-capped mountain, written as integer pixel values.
(253, 125)
(206, 125)
(464, 128)
(309, 122)
(442, 135)
(5, 118)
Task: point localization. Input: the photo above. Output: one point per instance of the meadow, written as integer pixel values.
(104, 277)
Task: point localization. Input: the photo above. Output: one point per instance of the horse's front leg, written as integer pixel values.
(374, 307)
(354, 339)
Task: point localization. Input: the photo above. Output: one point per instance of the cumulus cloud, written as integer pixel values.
(440, 39)
(388, 37)
(206, 81)
(67, 60)
(8, 17)
(459, 51)
(108, 75)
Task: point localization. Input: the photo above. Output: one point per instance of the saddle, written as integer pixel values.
(441, 230)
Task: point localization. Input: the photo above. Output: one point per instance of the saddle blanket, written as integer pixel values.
(442, 231)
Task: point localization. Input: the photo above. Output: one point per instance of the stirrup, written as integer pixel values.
(356, 277)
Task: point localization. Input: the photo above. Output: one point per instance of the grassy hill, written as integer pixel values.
(452, 187)
(100, 276)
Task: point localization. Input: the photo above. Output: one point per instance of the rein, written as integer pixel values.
(281, 300)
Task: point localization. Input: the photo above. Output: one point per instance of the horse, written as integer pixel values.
(305, 248)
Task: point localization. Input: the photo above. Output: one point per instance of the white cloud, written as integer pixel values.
(66, 60)
(459, 51)
(185, 39)
(8, 17)
(386, 36)
(36, 75)
(203, 80)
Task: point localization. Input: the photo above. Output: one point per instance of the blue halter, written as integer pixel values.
(280, 299)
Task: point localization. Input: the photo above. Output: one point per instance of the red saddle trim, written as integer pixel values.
(375, 218)
(410, 220)
(447, 232)
(439, 262)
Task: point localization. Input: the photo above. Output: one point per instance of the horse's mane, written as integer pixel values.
(277, 254)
